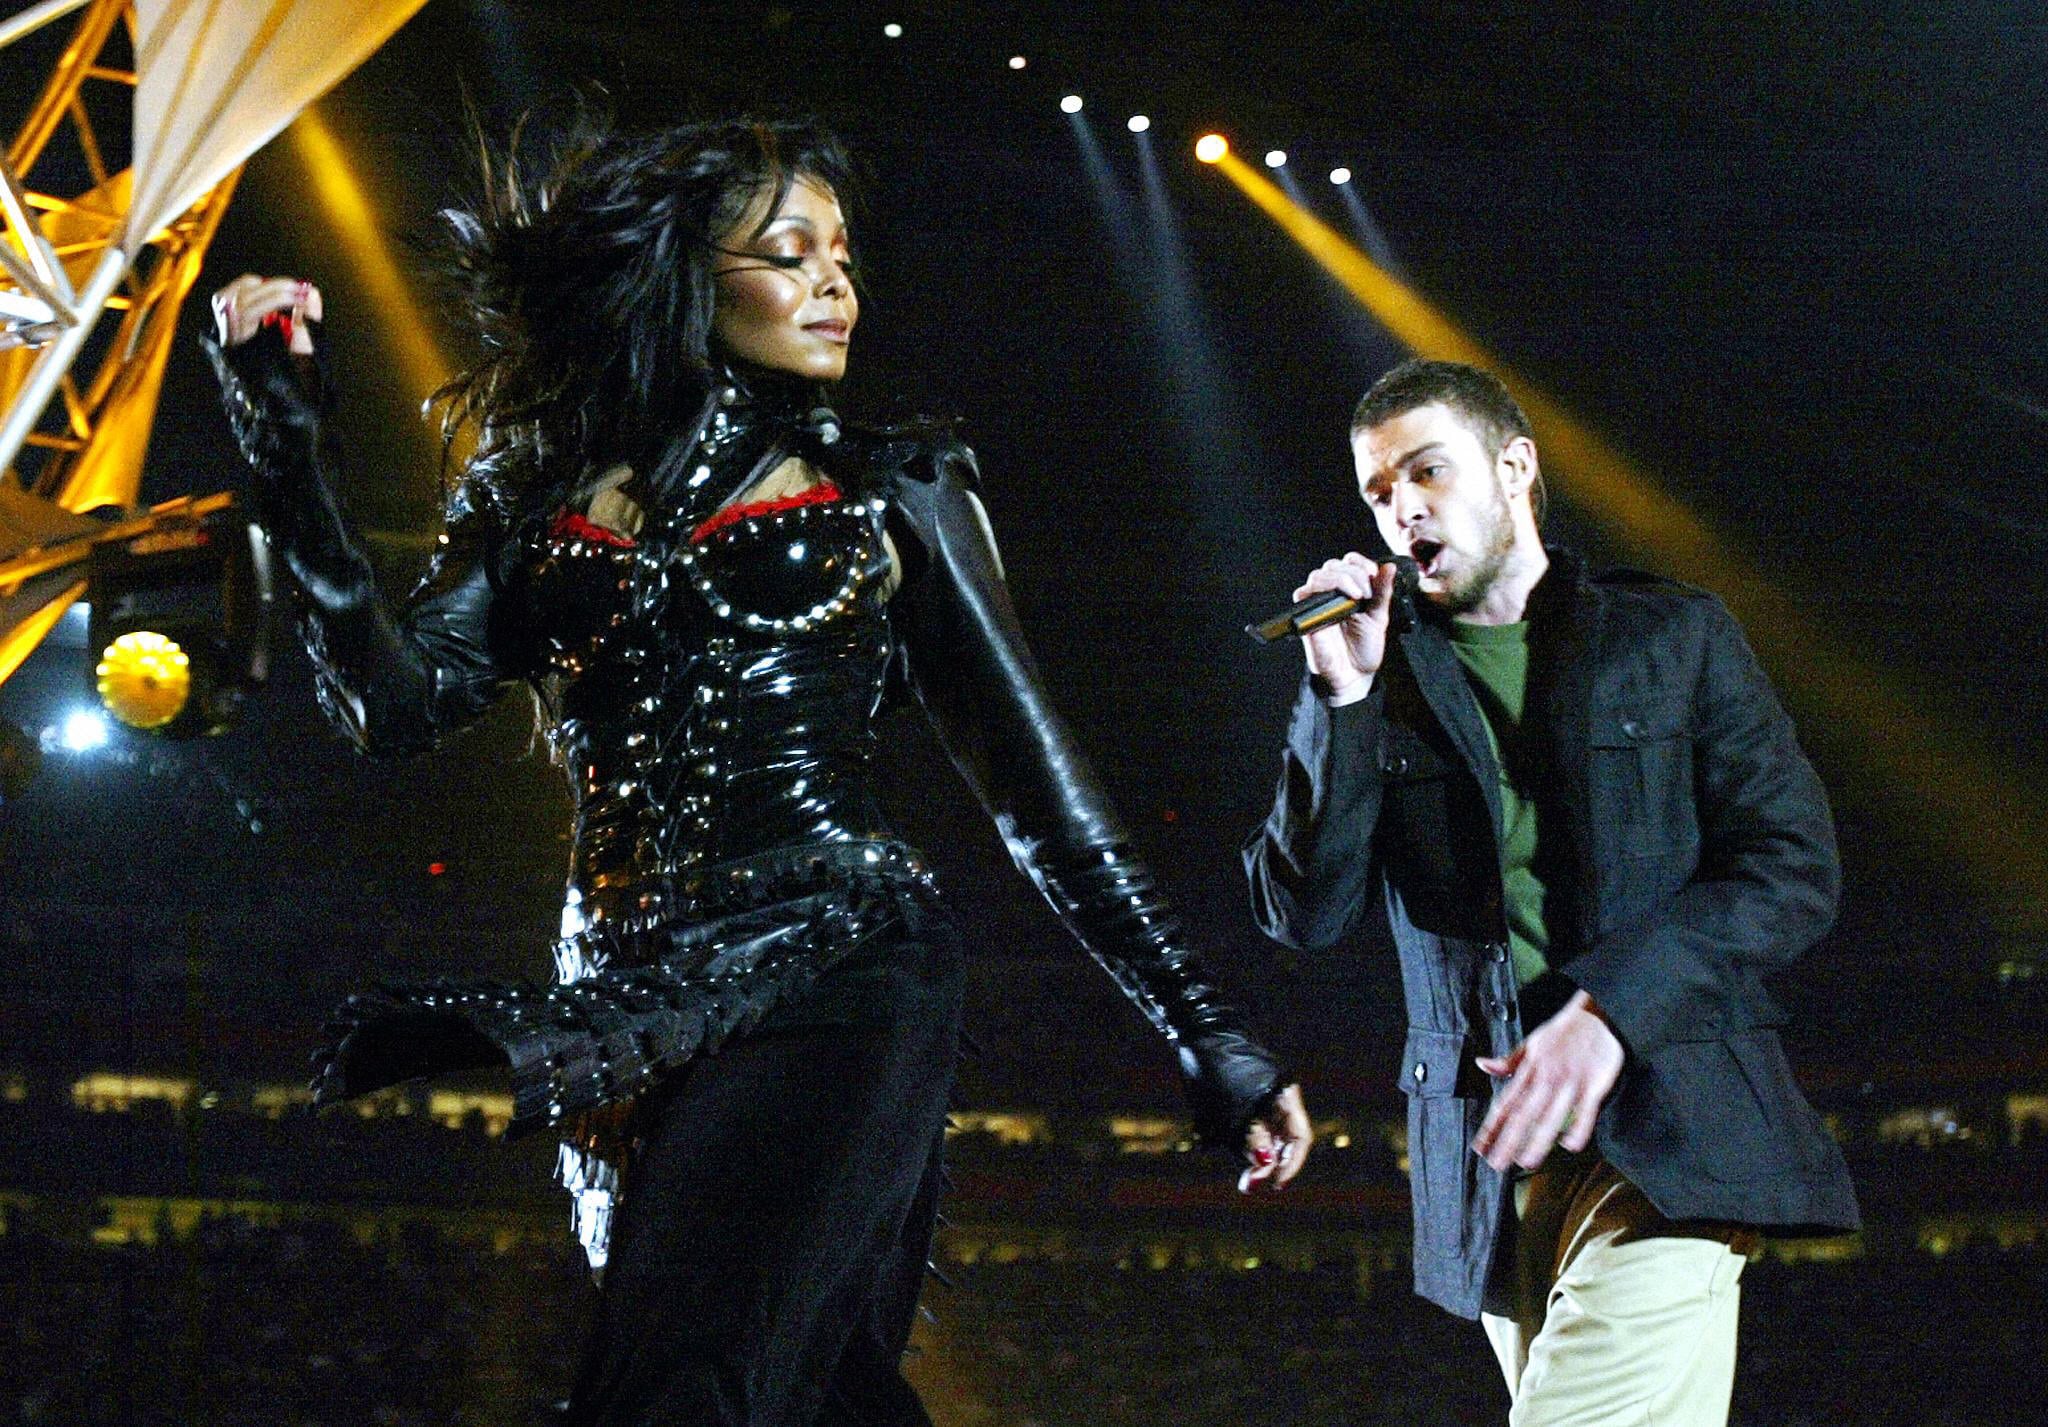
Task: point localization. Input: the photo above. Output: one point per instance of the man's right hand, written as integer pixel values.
(1347, 654)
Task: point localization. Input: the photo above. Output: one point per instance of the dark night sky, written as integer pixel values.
(1786, 258)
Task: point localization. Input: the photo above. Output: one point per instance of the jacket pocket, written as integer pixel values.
(1421, 802)
(1641, 772)
(1440, 1129)
(1429, 1062)
(1404, 758)
(1726, 1101)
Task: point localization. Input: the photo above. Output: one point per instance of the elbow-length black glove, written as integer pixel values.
(394, 686)
(967, 660)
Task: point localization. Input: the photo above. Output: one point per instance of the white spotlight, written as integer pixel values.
(1138, 123)
(1071, 104)
(1275, 157)
(893, 30)
(1017, 61)
(1340, 175)
(84, 730)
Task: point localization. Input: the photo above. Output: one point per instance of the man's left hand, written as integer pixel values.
(1556, 1081)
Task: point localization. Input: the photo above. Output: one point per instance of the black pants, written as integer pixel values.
(771, 1239)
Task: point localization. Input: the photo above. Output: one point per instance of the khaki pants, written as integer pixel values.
(1623, 1318)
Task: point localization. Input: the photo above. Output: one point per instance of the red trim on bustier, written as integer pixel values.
(568, 525)
(823, 493)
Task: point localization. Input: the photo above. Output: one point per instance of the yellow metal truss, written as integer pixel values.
(61, 266)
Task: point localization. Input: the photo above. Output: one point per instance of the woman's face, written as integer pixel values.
(785, 296)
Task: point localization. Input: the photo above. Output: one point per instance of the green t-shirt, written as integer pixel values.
(1496, 660)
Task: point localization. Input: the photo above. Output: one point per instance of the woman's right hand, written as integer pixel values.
(1348, 653)
(244, 304)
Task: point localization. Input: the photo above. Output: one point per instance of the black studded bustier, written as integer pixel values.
(715, 677)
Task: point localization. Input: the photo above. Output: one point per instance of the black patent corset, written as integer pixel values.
(789, 566)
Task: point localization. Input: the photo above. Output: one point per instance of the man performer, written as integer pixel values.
(1593, 834)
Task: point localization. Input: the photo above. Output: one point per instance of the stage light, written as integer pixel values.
(84, 730)
(1138, 123)
(1275, 157)
(144, 678)
(1071, 104)
(1340, 176)
(178, 618)
(1211, 148)
(893, 31)
(1018, 61)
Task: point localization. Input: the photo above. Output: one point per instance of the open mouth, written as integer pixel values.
(1425, 553)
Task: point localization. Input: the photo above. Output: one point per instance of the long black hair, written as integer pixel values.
(588, 279)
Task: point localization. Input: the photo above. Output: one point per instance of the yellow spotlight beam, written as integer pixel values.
(1930, 774)
(400, 311)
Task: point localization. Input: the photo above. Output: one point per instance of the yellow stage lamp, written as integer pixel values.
(1211, 148)
(178, 615)
(144, 679)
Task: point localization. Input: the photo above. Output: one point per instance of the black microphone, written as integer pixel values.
(1330, 606)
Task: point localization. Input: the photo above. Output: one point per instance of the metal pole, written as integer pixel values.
(14, 208)
(57, 358)
(25, 278)
(35, 17)
(73, 66)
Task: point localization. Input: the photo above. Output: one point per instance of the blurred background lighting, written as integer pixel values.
(1211, 148)
(1275, 157)
(84, 730)
(1138, 123)
(893, 30)
(1340, 175)
(1071, 104)
(1018, 61)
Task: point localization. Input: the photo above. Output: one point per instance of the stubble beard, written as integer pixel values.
(1497, 541)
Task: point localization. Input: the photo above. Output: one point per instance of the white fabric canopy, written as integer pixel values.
(217, 79)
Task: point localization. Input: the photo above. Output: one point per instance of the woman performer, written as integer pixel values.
(714, 587)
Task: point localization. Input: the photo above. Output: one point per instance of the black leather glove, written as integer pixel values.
(967, 661)
(393, 685)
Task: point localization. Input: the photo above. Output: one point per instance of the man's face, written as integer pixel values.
(1440, 497)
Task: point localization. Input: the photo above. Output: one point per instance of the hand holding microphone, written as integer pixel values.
(1343, 613)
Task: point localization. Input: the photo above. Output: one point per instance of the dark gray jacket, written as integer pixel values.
(1688, 853)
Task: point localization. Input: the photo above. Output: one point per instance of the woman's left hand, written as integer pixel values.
(1276, 1144)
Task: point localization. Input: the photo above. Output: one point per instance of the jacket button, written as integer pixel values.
(1396, 764)
(1421, 1072)
(1497, 951)
(1632, 727)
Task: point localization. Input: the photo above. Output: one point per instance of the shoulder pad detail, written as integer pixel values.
(953, 459)
(920, 450)
(1647, 580)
